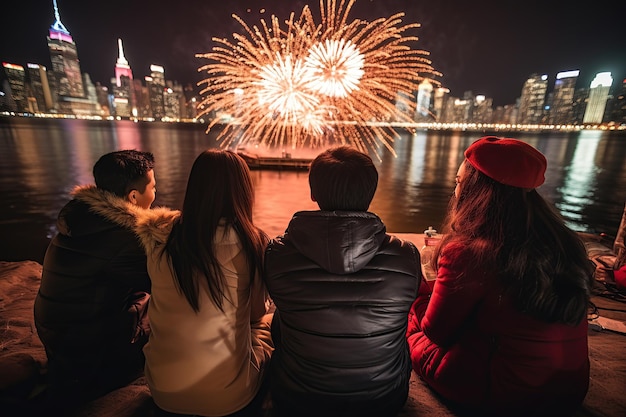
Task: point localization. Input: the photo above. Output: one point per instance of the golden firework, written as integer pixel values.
(334, 68)
(311, 84)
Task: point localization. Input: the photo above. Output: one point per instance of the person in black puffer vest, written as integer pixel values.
(90, 311)
(342, 288)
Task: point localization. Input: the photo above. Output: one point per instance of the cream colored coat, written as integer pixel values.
(209, 363)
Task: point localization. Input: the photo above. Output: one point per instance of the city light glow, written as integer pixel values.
(12, 66)
(567, 74)
(306, 83)
(602, 79)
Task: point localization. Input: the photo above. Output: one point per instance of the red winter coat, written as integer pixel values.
(474, 348)
(620, 277)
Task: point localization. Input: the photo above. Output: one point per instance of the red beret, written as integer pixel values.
(508, 161)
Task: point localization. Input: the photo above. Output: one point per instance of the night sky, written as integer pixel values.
(487, 46)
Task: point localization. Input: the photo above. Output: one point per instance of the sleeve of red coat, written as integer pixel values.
(620, 277)
(458, 290)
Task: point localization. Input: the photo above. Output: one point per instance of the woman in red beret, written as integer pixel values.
(504, 331)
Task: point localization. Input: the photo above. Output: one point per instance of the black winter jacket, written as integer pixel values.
(92, 270)
(343, 288)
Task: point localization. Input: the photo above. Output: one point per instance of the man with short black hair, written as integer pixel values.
(342, 288)
(90, 311)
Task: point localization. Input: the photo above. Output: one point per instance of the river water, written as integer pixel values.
(41, 160)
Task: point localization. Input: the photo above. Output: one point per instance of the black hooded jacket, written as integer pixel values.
(342, 288)
(92, 271)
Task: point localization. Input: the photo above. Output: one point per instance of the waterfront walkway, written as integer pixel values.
(22, 361)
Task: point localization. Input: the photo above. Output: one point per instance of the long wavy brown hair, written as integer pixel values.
(219, 189)
(541, 263)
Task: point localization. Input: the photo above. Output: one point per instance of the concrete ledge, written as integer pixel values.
(22, 362)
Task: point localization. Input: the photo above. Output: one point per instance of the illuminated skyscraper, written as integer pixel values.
(102, 94)
(124, 99)
(483, 109)
(64, 57)
(142, 99)
(66, 78)
(122, 102)
(121, 66)
(91, 94)
(189, 97)
(579, 104)
(17, 83)
(156, 87)
(171, 102)
(424, 95)
(598, 95)
(617, 113)
(403, 106)
(439, 101)
(533, 99)
(561, 111)
(39, 87)
(459, 110)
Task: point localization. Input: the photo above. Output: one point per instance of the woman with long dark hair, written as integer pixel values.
(210, 342)
(504, 331)
(211, 338)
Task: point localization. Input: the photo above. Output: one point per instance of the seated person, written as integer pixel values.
(342, 288)
(210, 343)
(90, 308)
(504, 332)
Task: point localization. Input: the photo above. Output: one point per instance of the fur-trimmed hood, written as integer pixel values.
(153, 226)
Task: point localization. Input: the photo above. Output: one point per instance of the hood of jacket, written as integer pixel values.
(340, 242)
(78, 218)
(151, 225)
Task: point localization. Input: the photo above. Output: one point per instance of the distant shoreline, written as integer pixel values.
(472, 127)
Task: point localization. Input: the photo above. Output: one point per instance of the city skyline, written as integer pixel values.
(71, 90)
(155, 34)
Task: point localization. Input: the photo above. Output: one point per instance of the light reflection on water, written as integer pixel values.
(42, 160)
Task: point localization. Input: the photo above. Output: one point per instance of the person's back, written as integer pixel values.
(342, 288)
(90, 308)
(504, 331)
(475, 347)
(210, 360)
(210, 340)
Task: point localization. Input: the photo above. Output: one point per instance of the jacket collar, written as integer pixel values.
(151, 225)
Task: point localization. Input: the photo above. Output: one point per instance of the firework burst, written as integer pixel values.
(311, 84)
(334, 68)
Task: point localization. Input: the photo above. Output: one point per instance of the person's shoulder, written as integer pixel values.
(153, 226)
(398, 243)
(88, 215)
(72, 209)
(158, 217)
(456, 251)
(277, 242)
(399, 253)
(279, 247)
